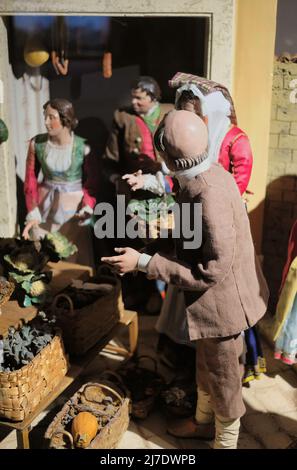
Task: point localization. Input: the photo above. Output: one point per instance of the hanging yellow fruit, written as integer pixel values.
(36, 58)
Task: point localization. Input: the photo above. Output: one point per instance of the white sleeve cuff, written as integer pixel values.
(34, 214)
(86, 209)
(165, 169)
(154, 183)
(87, 150)
(143, 261)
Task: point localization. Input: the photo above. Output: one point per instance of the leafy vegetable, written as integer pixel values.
(25, 261)
(57, 246)
(31, 288)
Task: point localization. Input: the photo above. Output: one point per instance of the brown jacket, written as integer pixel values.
(225, 291)
(125, 141)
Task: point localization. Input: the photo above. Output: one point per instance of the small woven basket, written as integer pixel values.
(144, 385)
(6, 290)
(108, 436)
(83, 327)
(22, 390)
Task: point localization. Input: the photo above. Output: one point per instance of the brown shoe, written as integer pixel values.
(189, 428)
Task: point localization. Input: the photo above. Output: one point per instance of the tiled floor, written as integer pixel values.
(270, 421)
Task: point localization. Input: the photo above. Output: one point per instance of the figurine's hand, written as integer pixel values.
(28, 227)
(126, 262)
(134, 180)
(84, 215)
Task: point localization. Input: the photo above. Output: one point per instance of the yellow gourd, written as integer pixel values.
(84, 428)
(36, 58)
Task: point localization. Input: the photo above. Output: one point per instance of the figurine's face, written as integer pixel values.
(141, 101)
(188, 106)
(52, 121)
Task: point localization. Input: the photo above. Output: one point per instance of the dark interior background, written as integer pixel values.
(156, 46)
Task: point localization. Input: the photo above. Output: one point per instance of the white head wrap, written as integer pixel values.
(217, 108)
(218, 111)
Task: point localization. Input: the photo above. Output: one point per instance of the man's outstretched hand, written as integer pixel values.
(134, 180)
(125, 262)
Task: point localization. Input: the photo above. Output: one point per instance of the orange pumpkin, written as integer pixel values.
(84, 428)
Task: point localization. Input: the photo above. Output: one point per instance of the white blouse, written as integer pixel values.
(58, 157)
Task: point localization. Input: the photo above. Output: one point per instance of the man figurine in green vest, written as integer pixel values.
(130, 153)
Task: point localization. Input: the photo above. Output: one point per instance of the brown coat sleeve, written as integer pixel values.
(164, 245)
(218, 248)
(111, 156)
(112, 151)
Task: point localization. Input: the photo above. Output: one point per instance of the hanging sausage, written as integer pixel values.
(60, 46)
(107, 65)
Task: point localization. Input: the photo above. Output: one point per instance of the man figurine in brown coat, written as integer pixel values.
(224, 291)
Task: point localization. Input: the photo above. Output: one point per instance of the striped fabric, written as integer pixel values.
(205, 85)
(186, 163)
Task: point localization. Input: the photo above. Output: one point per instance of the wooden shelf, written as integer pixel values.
(63, 274)
(71, 375)
(129, 320)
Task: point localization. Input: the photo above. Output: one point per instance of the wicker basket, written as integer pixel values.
(22, 390)
(179, 398)
(82, 328)
(144, 385)
(6, 290)
(58, 437)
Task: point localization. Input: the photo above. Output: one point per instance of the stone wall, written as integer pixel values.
(281, 198)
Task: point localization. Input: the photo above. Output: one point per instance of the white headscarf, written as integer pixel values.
(217, 108)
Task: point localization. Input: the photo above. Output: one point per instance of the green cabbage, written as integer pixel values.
(57, 246)
(25, 261)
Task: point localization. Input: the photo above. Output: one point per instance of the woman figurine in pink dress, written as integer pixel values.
(60, 187)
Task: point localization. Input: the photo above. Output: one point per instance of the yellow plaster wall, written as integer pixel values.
(252, 91)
